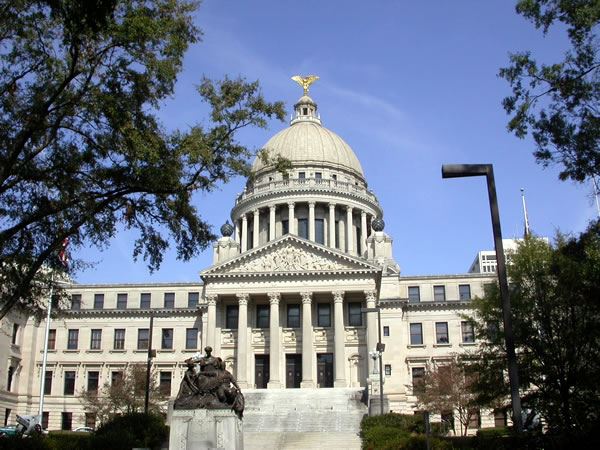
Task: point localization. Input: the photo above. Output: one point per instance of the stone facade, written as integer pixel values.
(281, 303)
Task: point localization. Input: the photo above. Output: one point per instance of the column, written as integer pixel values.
(307, 342)
(363, 232)
(371, 328)
(242, 341)
(211, 323)
(256, 229)
(274, 342)
(244, 233)
(332, 225)
(272, 210)
(349, 231)
(291, 218)
(237, 231)
(339, 338)
(311, 221)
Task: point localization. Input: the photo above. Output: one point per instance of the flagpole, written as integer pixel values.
(596, 195)
(525, 212)
(45, 358)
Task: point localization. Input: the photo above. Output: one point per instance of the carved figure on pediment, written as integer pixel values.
(208, 385)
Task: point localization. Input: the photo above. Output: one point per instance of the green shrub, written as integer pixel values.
(19, 443)
(493, 432)
(129, 431)
(405, 422)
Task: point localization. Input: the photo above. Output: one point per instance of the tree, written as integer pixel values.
(125, 395)
(555, 292)
(82, 152)
(559, 103)
(445, 388)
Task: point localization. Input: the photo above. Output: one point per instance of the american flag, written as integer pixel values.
(62, 254)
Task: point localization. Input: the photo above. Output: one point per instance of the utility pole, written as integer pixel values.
(149, 363)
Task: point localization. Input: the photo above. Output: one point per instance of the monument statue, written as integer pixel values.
(305, 81)
(208, 385)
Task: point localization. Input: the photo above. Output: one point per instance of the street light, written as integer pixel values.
(487, 170)
(379, 350)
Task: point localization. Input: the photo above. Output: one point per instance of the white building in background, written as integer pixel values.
(281, 303)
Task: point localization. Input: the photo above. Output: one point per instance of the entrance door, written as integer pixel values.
(261, 371)
(293, 371)
(325, 370)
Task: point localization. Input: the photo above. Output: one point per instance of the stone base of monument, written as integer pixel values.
(205, 429)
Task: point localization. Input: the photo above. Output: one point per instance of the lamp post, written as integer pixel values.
(151, 354)
(379, 350)
(487, 170)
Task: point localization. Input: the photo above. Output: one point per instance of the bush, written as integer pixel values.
(68, 440)
(391, 431)
(129, 431)
(19, 443)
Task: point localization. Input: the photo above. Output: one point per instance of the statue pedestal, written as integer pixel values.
(205, 429)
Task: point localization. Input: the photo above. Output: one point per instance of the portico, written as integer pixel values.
(308, 325)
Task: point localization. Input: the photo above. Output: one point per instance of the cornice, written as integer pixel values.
(197, 284)
(437, 306)
(460, 276)
(171, 312)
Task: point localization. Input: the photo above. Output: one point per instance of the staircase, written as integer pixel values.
(303, 418)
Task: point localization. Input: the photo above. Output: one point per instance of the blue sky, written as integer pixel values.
(410, 86)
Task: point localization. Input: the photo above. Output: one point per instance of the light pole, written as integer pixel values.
(380, 348)
(487, 170)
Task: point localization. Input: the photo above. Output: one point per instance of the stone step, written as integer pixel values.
(301, 441)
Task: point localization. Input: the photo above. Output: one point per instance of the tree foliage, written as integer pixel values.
(446, 387)
(82, 151)
(125, 396)
(559, 102)
(555, 292)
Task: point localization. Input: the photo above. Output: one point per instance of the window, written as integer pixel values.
(354, 314)
(191, 338)
(51, 339)
(464, 292)
(72, 340)
(468, 334)
(143, 335)
(285, 227)
(262, 316)
(96, 340)
(169, 300)
(165, 383)
(320, 231)
(116, 377)
(7, 412)
(441, 332)
(232, 316)
(302, 175)
(334, 176)
(69, 382)
(54, 301)
(75, 302)
(45, 420)
(388, 370)
(416, 334)
(66, 421)
(323, 315)
(499, 418)
(98, 301)
(475, 420)
(193, 299)
(121, 301)
(337, 234)
(145, 300)
(48, 382)
(293, 316)
(303, 228)
(439, 293)
(386, 331)
(119, 342)
(417, 378)
(447, 420)
(167, 339)
(11, 374)
(414, 294)
(92, 381)
(15, 333)
(318, 175)
(90, 420)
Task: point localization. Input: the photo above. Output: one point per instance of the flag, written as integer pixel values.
(62, 254)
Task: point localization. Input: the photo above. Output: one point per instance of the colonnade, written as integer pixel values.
(275, 344)
(242, 225)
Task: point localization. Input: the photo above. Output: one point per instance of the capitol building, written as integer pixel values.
(303, 254)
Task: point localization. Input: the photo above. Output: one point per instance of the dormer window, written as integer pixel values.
(305, 111)
(302, 175)
(334, 176)
(318, 175)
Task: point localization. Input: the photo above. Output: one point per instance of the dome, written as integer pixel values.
(307, 142)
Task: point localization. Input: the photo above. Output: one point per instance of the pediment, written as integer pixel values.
(290, 254)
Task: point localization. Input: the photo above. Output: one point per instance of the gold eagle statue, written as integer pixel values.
(306, 81)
